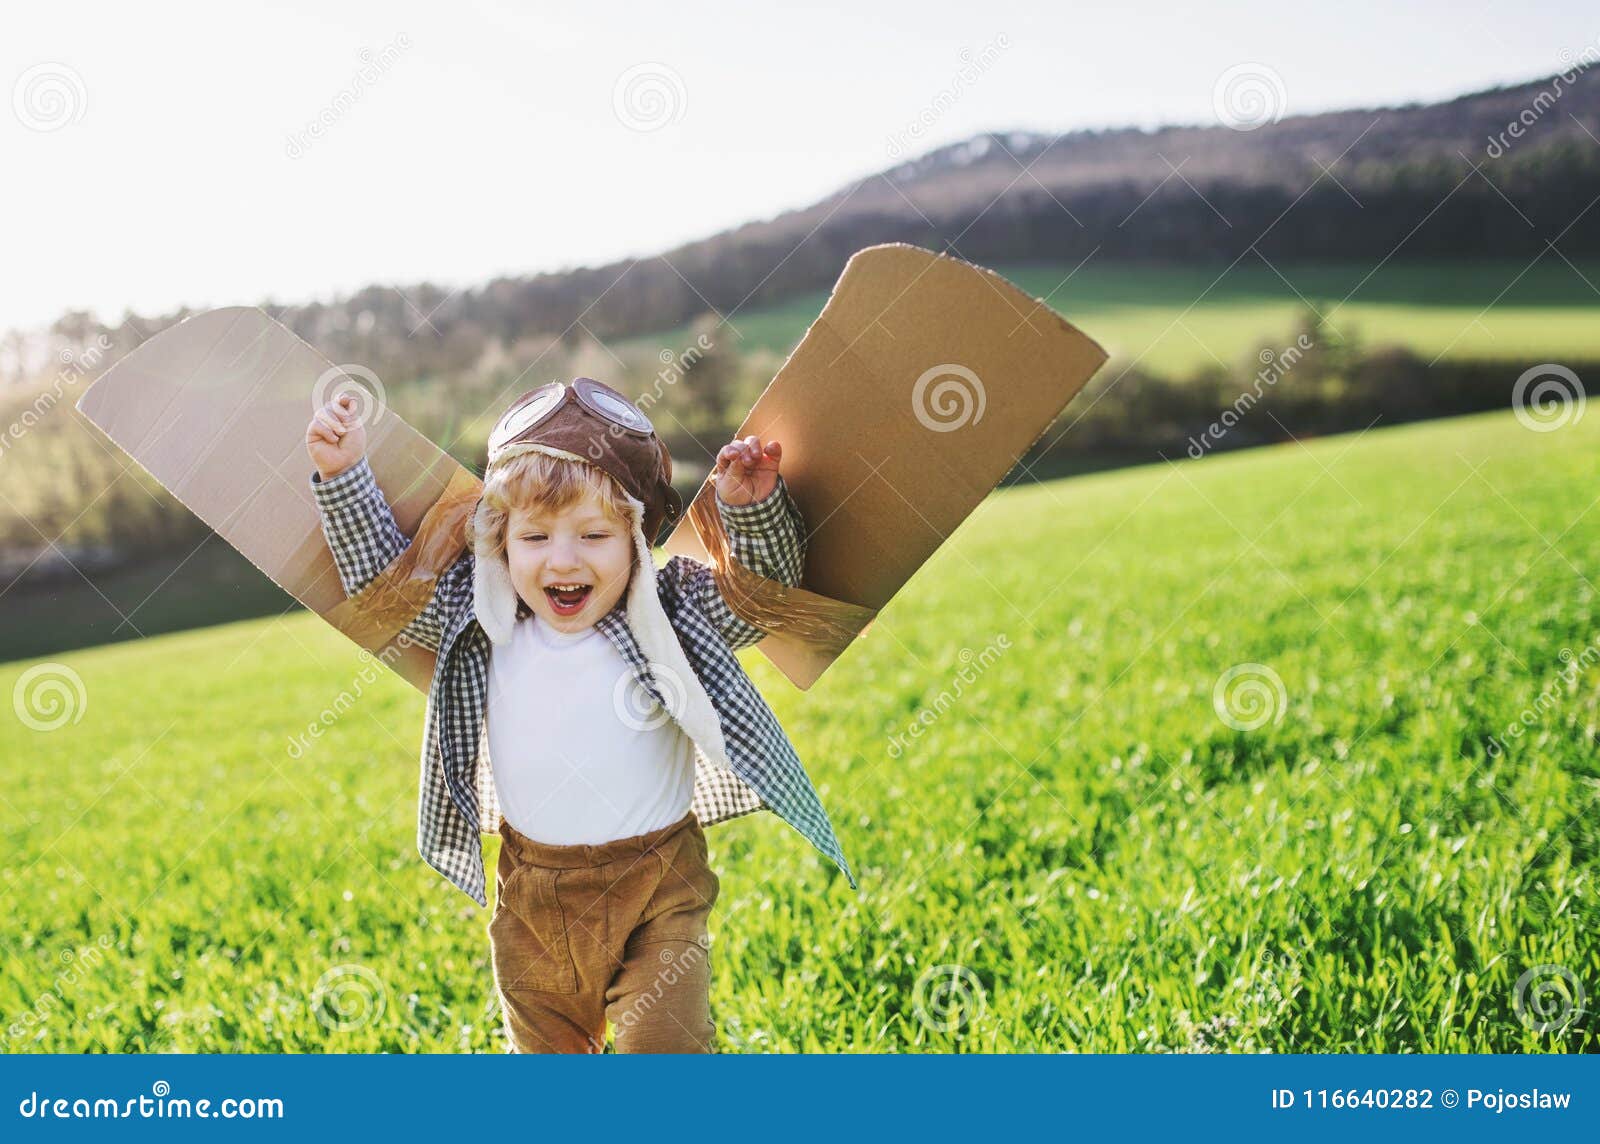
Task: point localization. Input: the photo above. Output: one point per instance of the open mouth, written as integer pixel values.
(568, 599)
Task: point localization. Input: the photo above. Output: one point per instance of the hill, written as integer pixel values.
(1421, 181)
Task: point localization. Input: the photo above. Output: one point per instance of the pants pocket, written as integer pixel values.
(681, 906)
(696, 861)
(529, 944)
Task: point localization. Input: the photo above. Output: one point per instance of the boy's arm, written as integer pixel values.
(768, 537)
(364, 538)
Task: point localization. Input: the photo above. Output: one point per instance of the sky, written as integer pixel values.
(163, 154)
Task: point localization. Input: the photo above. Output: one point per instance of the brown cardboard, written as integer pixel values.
(216, 408)
(882, 488)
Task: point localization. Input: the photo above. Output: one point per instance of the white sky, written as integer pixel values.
(492, 145)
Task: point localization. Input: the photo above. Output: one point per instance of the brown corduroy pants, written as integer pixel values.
(618, 931)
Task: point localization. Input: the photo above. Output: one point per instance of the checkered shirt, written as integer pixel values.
(456, 795)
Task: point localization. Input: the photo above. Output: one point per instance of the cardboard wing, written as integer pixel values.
(216, 407)
(918, 387)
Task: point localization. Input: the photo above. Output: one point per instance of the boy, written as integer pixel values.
(587, 707)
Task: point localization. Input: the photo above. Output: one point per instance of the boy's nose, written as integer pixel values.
(563, 558)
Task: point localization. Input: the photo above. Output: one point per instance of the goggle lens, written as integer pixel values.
(623, 413)
(531, 412)
(619, 411)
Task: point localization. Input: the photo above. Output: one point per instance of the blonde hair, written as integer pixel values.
(538, 482)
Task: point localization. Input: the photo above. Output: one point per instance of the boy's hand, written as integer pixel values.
(747, 472)
(336, 439)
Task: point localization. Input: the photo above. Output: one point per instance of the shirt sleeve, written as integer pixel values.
(767, 537)
(364, 539)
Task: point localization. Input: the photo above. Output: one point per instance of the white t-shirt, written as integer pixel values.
(580, 752)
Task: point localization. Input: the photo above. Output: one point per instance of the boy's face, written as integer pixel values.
(579, 545)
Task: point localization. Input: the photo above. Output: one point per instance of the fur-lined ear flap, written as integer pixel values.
(494, 597)
(684, 693)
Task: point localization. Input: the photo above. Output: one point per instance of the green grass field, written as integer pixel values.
(1177, 319)
(1112, 865)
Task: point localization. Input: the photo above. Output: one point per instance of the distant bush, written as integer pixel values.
(73, 499)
